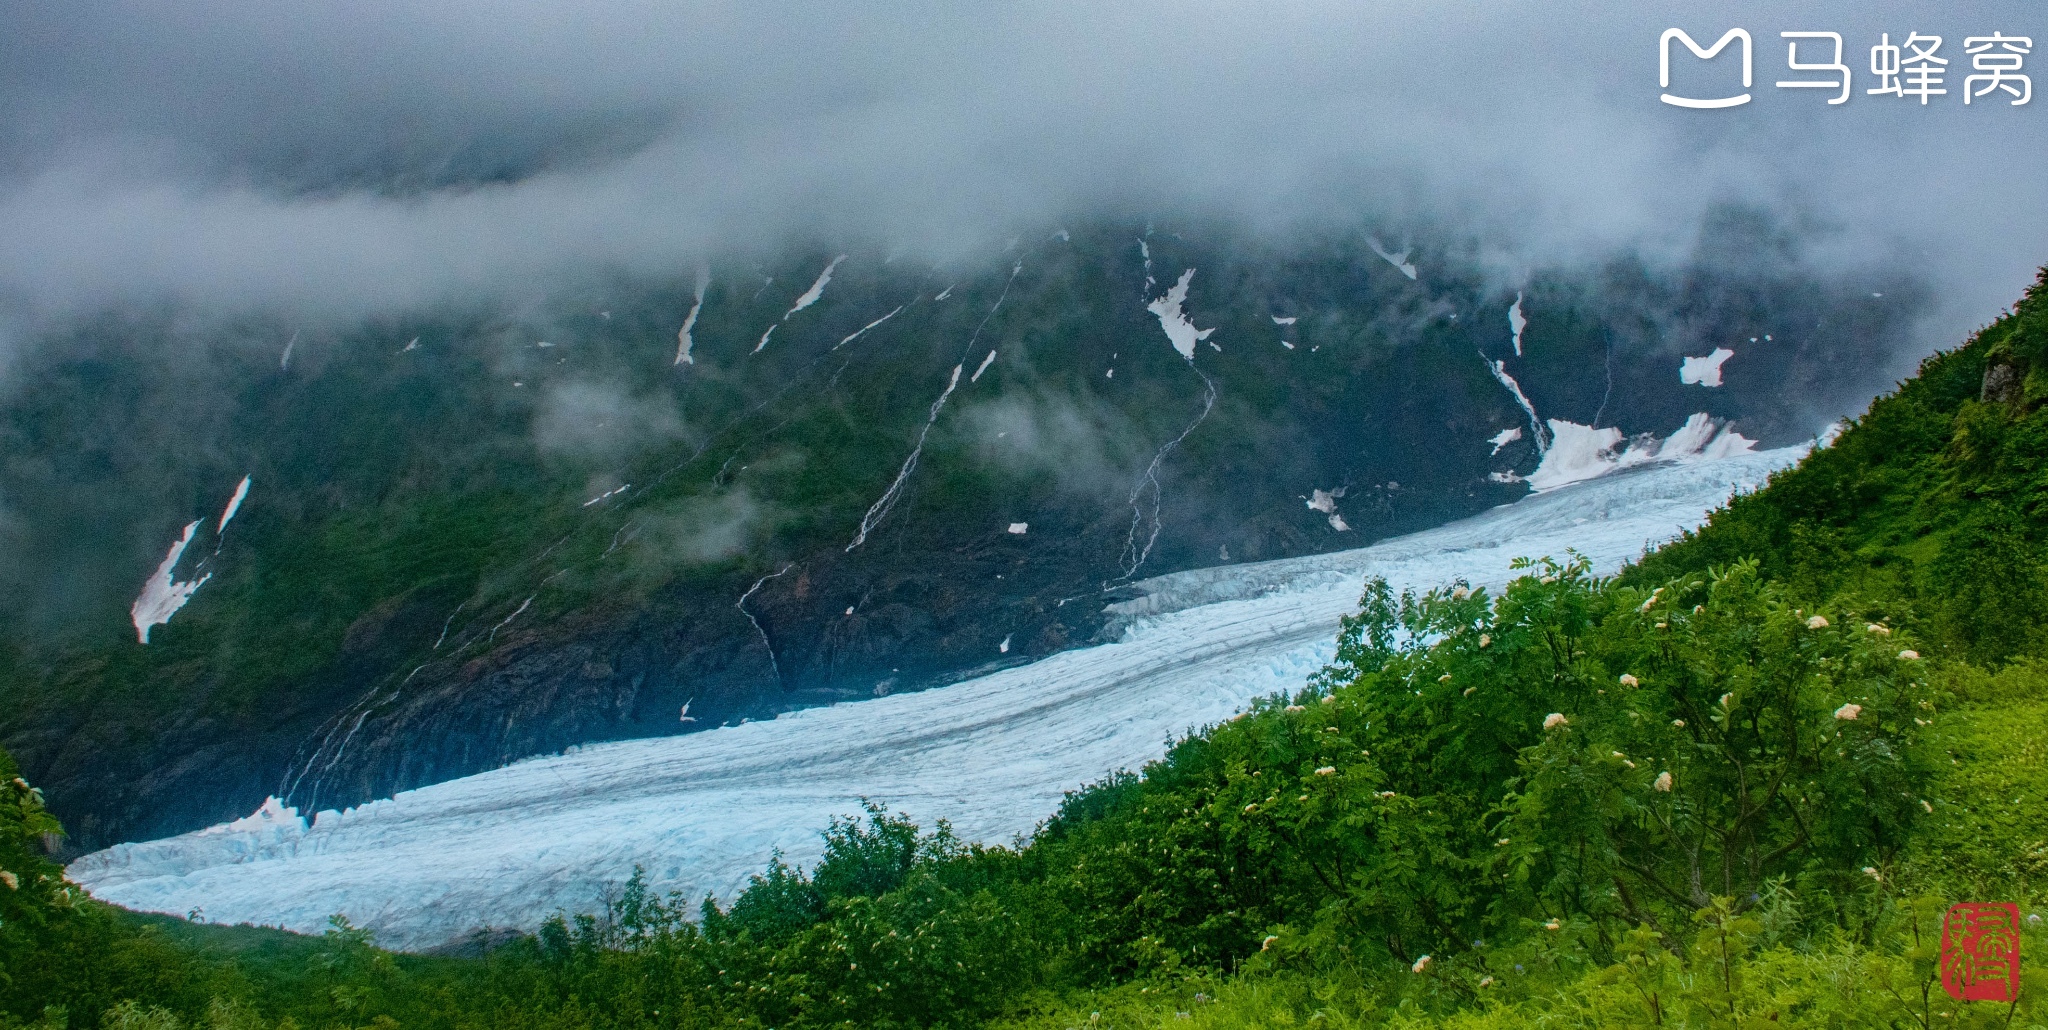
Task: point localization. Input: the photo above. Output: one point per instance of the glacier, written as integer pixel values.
(1578, 453)
(702, 812)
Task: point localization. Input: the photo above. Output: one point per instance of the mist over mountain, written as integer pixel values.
(302, 160)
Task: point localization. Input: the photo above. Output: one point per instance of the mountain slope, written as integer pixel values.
(474, 535)
(1928, 511)
(991, 756)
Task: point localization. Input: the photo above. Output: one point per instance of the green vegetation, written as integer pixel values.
(1735, 787)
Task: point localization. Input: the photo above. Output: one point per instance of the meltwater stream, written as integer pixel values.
(702, 812)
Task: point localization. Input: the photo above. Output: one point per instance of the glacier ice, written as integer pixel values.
(703, 811)
(1579, 453)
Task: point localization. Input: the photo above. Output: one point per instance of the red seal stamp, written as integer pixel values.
(1980, 951)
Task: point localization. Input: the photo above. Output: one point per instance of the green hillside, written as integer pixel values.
(1735, 787)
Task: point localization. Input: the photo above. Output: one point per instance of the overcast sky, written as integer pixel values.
(359, 157)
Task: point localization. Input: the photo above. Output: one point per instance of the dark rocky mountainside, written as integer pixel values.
(645, 507)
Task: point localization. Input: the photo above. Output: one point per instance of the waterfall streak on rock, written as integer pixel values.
(858, 333)
(880, 509)
(773, 666)
(1134, 556)
(1499, 369)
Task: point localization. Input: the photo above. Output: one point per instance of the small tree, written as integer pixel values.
(1739, 741)
(33, 891)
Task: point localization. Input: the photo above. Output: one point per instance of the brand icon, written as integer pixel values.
(1664, 67)
(1980, 951)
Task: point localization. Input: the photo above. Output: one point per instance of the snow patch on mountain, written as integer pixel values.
(1399, 261)
(1704, 371)
(1517, 322)
(1179, 330)
(983, 367)
(1325, 501)
(162, 595)
(1500, 374)
(704, 811)
(227, 514)
(607, 495)
(684, 342)
(804, 300)
(1504, 438)
(810, 296)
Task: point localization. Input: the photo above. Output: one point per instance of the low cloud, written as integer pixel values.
(1080, 446)
(701, 530)
(598, 423)
(381, 156)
